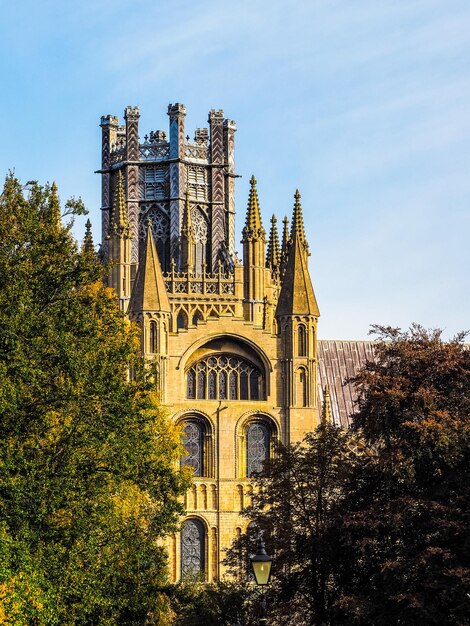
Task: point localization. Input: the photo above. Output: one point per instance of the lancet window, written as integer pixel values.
(200, 229)
(224, 377)
(192, 549)
(193, 444)
(153, 338)
(302, 387)
(258, 443)
(160, 229)
(302, 341)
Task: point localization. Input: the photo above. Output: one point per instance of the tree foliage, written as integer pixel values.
(87, 479)
(293, 507)
(379, 537)
(404, 531)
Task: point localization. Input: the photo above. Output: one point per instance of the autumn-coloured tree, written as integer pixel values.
(404, 532)
(376, 533)
(87, 480)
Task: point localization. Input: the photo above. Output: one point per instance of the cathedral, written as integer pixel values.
(234, 341)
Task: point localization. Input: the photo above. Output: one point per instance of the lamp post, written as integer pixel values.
(261, 564)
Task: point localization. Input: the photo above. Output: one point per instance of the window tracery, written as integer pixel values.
(258, 443)
(192, 548)
(224, 377)
(160, 224)
(193, 443)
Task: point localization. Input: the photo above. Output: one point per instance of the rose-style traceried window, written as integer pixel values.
(225, 377)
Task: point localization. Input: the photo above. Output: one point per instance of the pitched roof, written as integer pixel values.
(338, 361)
(149, 292)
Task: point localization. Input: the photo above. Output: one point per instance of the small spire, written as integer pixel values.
(119, 220)
(326, 415)
(298, 229)
(149, 291)
(285, 246)
(253, 226)
(54, 206)
(273, 255)
(297, 296)
(88, 245)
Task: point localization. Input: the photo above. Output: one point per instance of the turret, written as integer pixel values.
(132, 153)
(254, 259)
(109, 129)
(218, 235)
(297, 315)
(119, 240)
(177, 114)
(229, 155)
(150, 308)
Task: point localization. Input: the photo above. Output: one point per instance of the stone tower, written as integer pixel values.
(234, 344)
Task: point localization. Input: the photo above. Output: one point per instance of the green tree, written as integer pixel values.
(371, 526)
(87, 480)
(403, 529)
(222, 603)
(294, 508)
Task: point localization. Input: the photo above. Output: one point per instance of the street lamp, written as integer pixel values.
(261, 564)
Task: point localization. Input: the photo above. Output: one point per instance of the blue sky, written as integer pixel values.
(362, 104)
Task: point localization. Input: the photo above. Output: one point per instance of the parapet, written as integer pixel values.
(109, 120)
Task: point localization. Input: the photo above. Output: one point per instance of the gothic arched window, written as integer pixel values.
(258, 444)
(193, 443)
(302, 341)
(192, 549)
(200, 237)
(153, 338)
(225, 377)
(160, 222)
(182, 320)
(191, 385)
(302, 387)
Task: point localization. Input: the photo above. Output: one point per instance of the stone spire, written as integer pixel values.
(253, 227)
(298, 222)
(273, 255)
(149, 292)
(297, 296)
(88, 245)
(326, 415)
(119, 220)
(285, 246)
